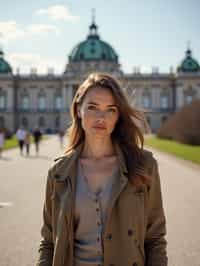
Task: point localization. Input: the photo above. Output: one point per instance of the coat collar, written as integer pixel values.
(65, 168)
(64, 165)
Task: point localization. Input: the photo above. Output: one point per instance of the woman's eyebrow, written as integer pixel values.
(109, 105)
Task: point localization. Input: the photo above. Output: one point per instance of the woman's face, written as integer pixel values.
(98, 113)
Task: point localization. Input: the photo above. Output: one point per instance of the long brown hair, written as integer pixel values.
(127, 131)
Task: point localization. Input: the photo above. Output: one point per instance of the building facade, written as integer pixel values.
(44, 100)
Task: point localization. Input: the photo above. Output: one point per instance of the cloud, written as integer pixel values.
(42, 28)
(58, 12)
(10, 30)
(26, 61)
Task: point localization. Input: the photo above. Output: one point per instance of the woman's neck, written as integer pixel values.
(97, 149)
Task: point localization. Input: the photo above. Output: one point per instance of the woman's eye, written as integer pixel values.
(91, 107)
(111, 110)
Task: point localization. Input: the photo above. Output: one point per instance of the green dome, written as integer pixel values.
(189, 64)
(5, 68)
(93, 49)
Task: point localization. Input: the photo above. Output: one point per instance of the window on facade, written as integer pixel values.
(57, 122)
(2, 121)
(58, 103)
(25, 102)
(164, 118)
(24, 122)
(146, 101)
(103, 56)
(164, 101)
(2, 101)
(149, 120)
(81, 56)
(188, 99)
(42, 103)
(41, 121)
(75, 87)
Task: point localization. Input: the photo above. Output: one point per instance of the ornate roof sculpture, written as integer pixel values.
(5, 67)
(189, 64)
(93, 54)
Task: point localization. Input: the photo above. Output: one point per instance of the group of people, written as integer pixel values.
(24, 139)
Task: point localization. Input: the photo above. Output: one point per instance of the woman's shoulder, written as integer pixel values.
(60, 165)
(149, 161)
(148, 156)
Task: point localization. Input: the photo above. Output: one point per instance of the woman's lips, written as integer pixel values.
(99, 127)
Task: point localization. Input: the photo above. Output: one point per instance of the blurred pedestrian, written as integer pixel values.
(37, 135)
(21, 134)
(2, 139)
(27, 142)
(61, 134)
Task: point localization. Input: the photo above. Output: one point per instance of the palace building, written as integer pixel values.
(31, 100)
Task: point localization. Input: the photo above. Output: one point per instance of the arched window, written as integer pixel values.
(42, 102)
(2, 101)
(25, 102)
(41, 121)
(189, 95)
(146, 99)
(164, 99)
(24, 122)
(58, 102)
(188, 98)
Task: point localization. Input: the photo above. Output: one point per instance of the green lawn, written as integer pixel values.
(187, 152)
(12, 143)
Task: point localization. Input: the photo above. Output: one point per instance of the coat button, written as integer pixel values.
(130, 232)
(109, 236)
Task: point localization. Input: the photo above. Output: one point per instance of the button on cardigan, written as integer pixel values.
(90, 218)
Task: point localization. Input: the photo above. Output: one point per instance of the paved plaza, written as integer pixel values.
(22, 188)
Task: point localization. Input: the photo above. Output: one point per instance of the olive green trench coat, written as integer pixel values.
(135, 228)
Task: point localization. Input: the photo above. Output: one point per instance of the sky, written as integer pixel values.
(144, 33)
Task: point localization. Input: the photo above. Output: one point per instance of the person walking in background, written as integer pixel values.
(27, 142)
(2, 139)
(37, 135)
(21, 135)
(103, 201)
(61, 134)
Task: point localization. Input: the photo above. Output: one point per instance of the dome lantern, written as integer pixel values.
(189, 64)
(93, 48)
(93, 27)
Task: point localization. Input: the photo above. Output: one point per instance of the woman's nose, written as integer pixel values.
(101, 114)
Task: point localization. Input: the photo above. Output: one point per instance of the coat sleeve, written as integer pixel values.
(155, 242)
(46, 247)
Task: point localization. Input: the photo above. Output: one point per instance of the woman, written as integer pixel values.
(27, 142)
(103, 203)
(2, 140)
